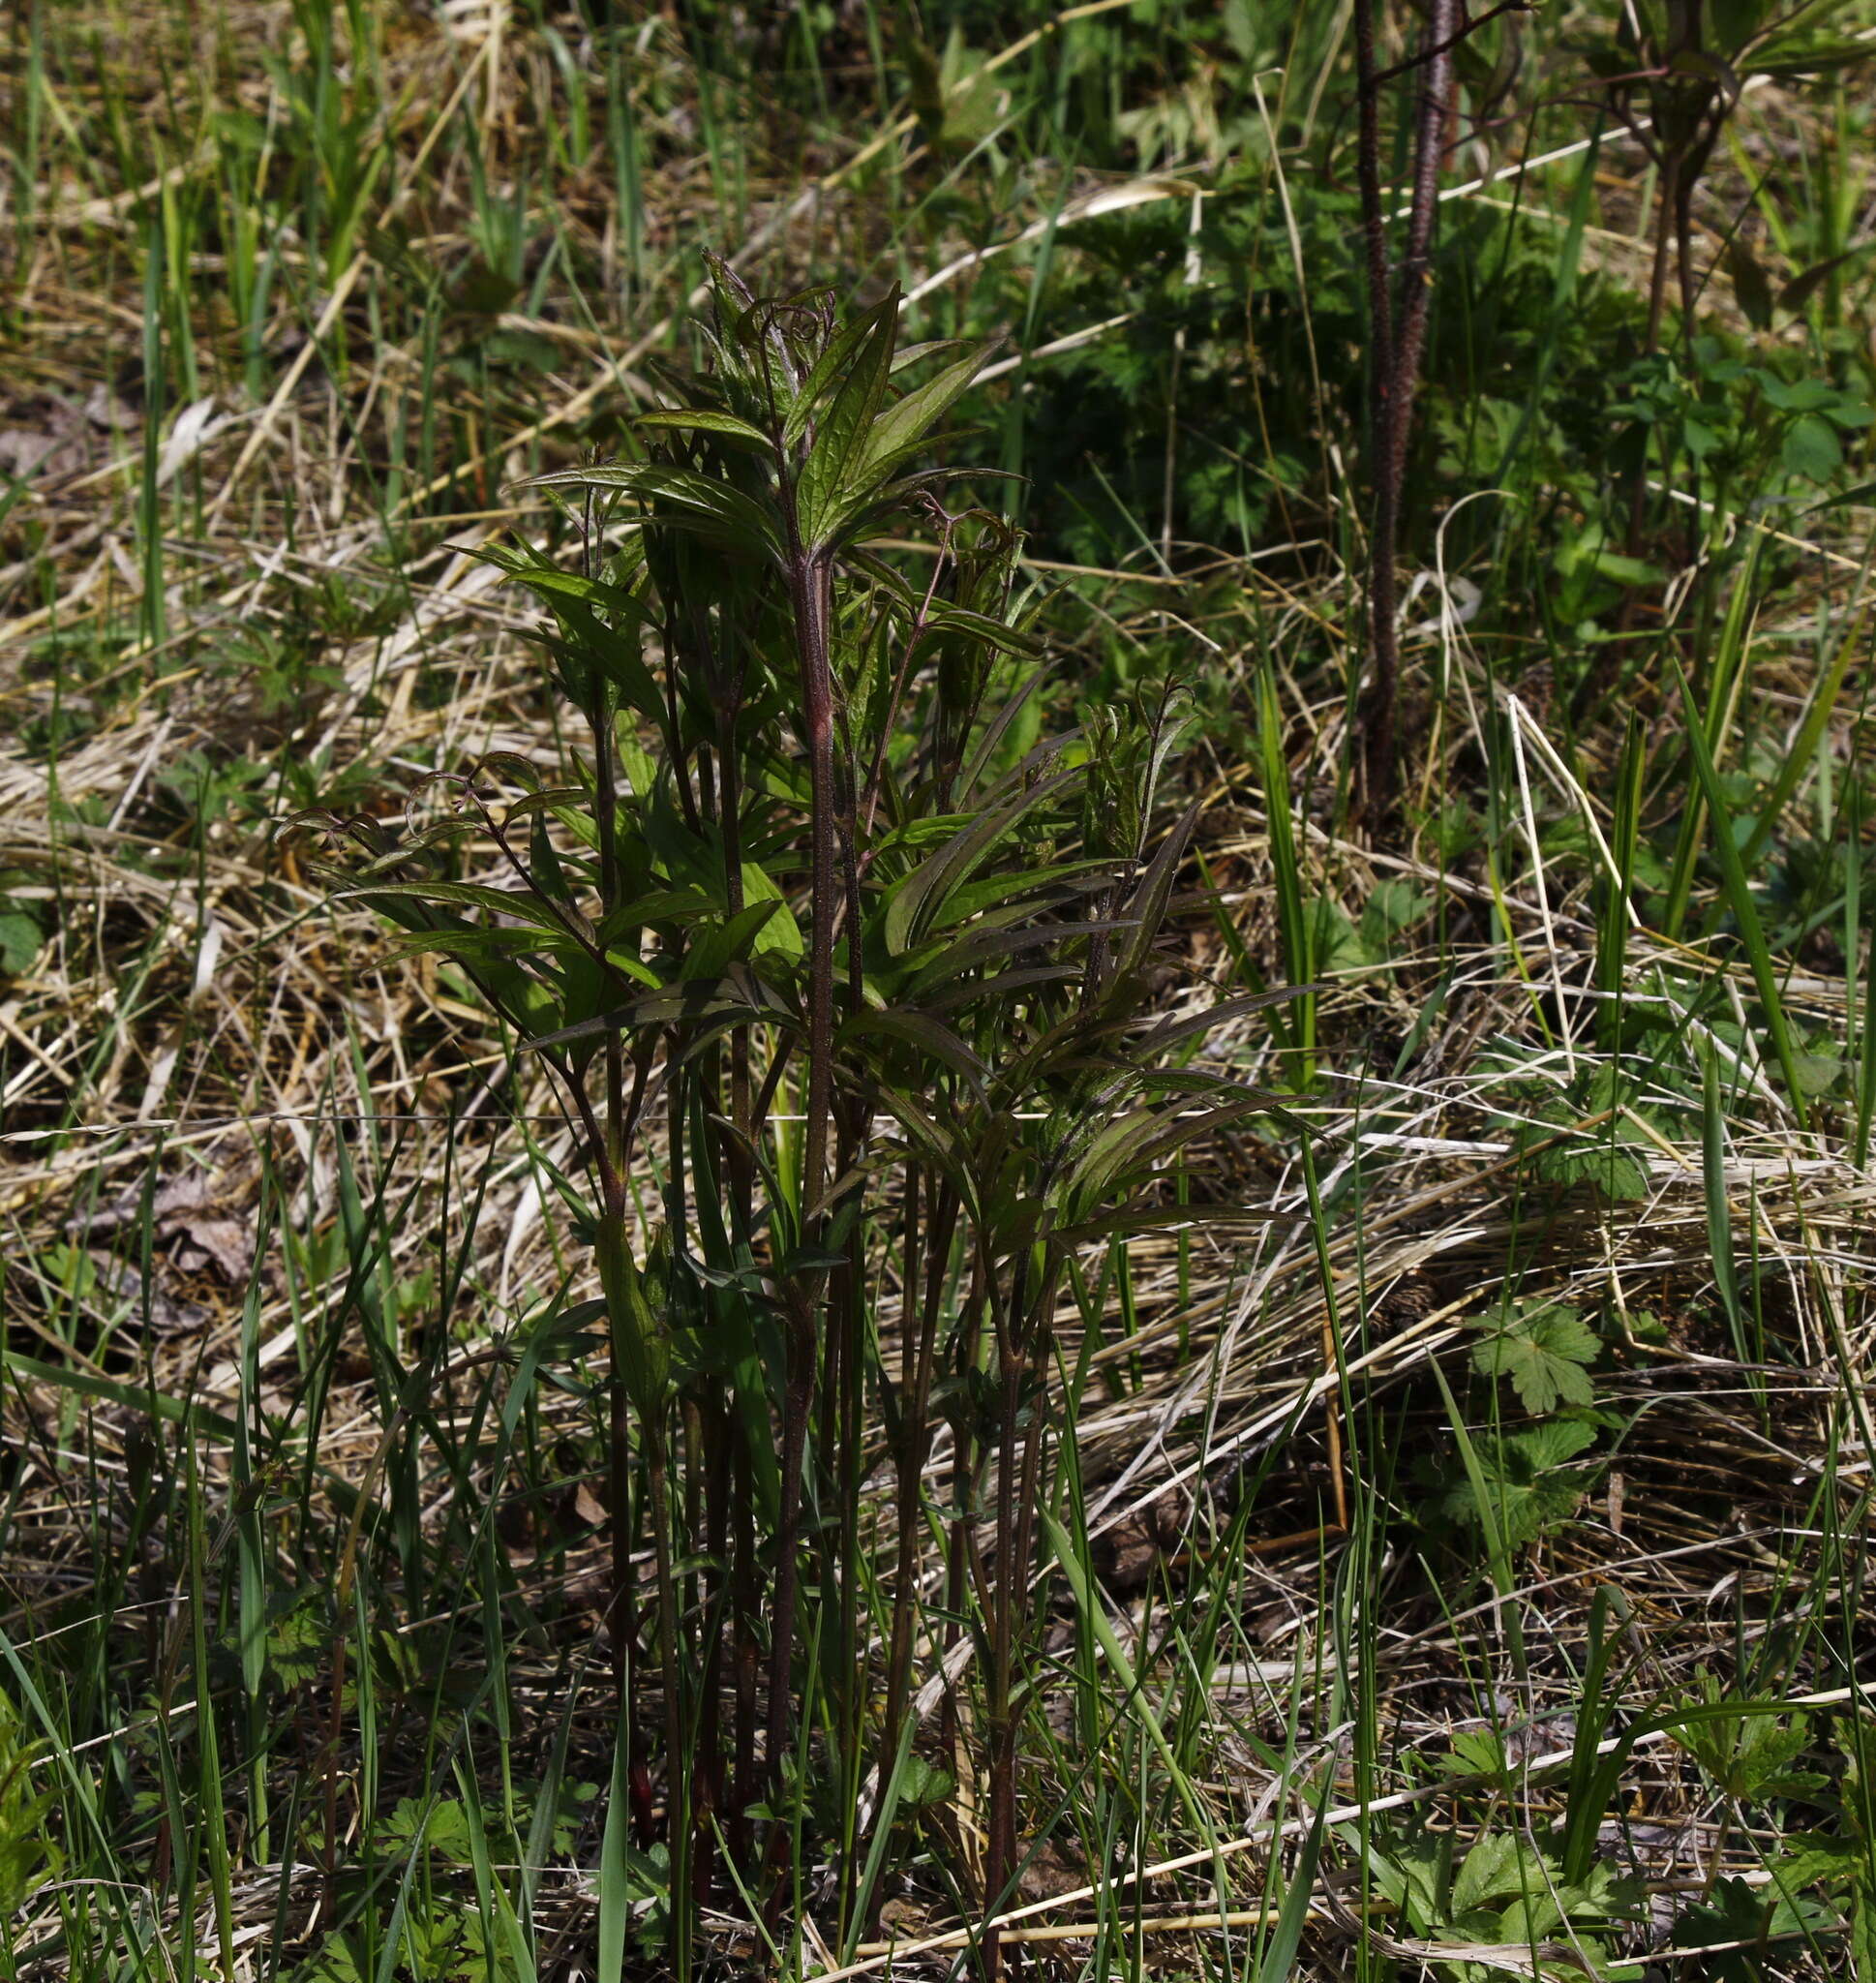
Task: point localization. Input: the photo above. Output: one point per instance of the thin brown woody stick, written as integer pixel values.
(1397, 332)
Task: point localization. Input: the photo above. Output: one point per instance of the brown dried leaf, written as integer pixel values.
(1056, 1867)
(190, 1219)
(1126, 1555)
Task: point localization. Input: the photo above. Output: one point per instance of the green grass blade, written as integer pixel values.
(1745, 912)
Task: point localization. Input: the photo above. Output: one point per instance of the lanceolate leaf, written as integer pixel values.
(830, 484)
(992, 632)
(1170, 1032)
(903, 426)
(833, 365)
(713, 951)
(1002, 985)
(994, 733)
(778, 932)
(704, 420)
(1148, 906)
(1141, 1217)
(551, 581)
(737, 994)
(617, 662)
(1139, 1142)
(918, 897)
(475, 944)
(682, 499)
(982, 945)
(473, 895)
(925, 1035)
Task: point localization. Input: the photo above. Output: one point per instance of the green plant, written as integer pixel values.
(1835, 1857)
(914, 913)
(1748, 1758)
(21, 938)
(1542, 1348)
(29, 1852)
(1515, 1484)
(1520, 1485)
(1505, 1890)
(1688, 63)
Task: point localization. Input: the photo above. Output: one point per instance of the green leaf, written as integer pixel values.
(780, 935)
(616, 1886)
(20, 941)
(682, 499)
(333, 1960)
(1146, 909)
(1750, 283)
(833, 367)
(914, 902)
(471, 893)
(1543, 1352)
(1606, 1160)
(1279, 1962)
(1816, 1858)
(1705, 62)
(1861, 493)
(980, 626)
(1736, 1922)
(553, 583)
(954, 97)
(1699, 438)
(924, 1783)
(1811, 448)
(1739, 896)
(1087, 1600)
(705, 420)
(445, 1830)
(130, 1397)
(904, 426)
(1336, 943)
(1792, 55)
(713, 951)
(636, 1308)
(1793, 395)
(1501, 1866)
(1476, 1752)
(1804, 284)
(834, 474)
(1748, 1755)
(935, 1044)
(1519, 1476)
(1621, 570)
(477, 946)
(1720, 1216)
(1394, 907)
(1736, 22)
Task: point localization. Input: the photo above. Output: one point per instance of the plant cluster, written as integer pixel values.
(847, 980)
